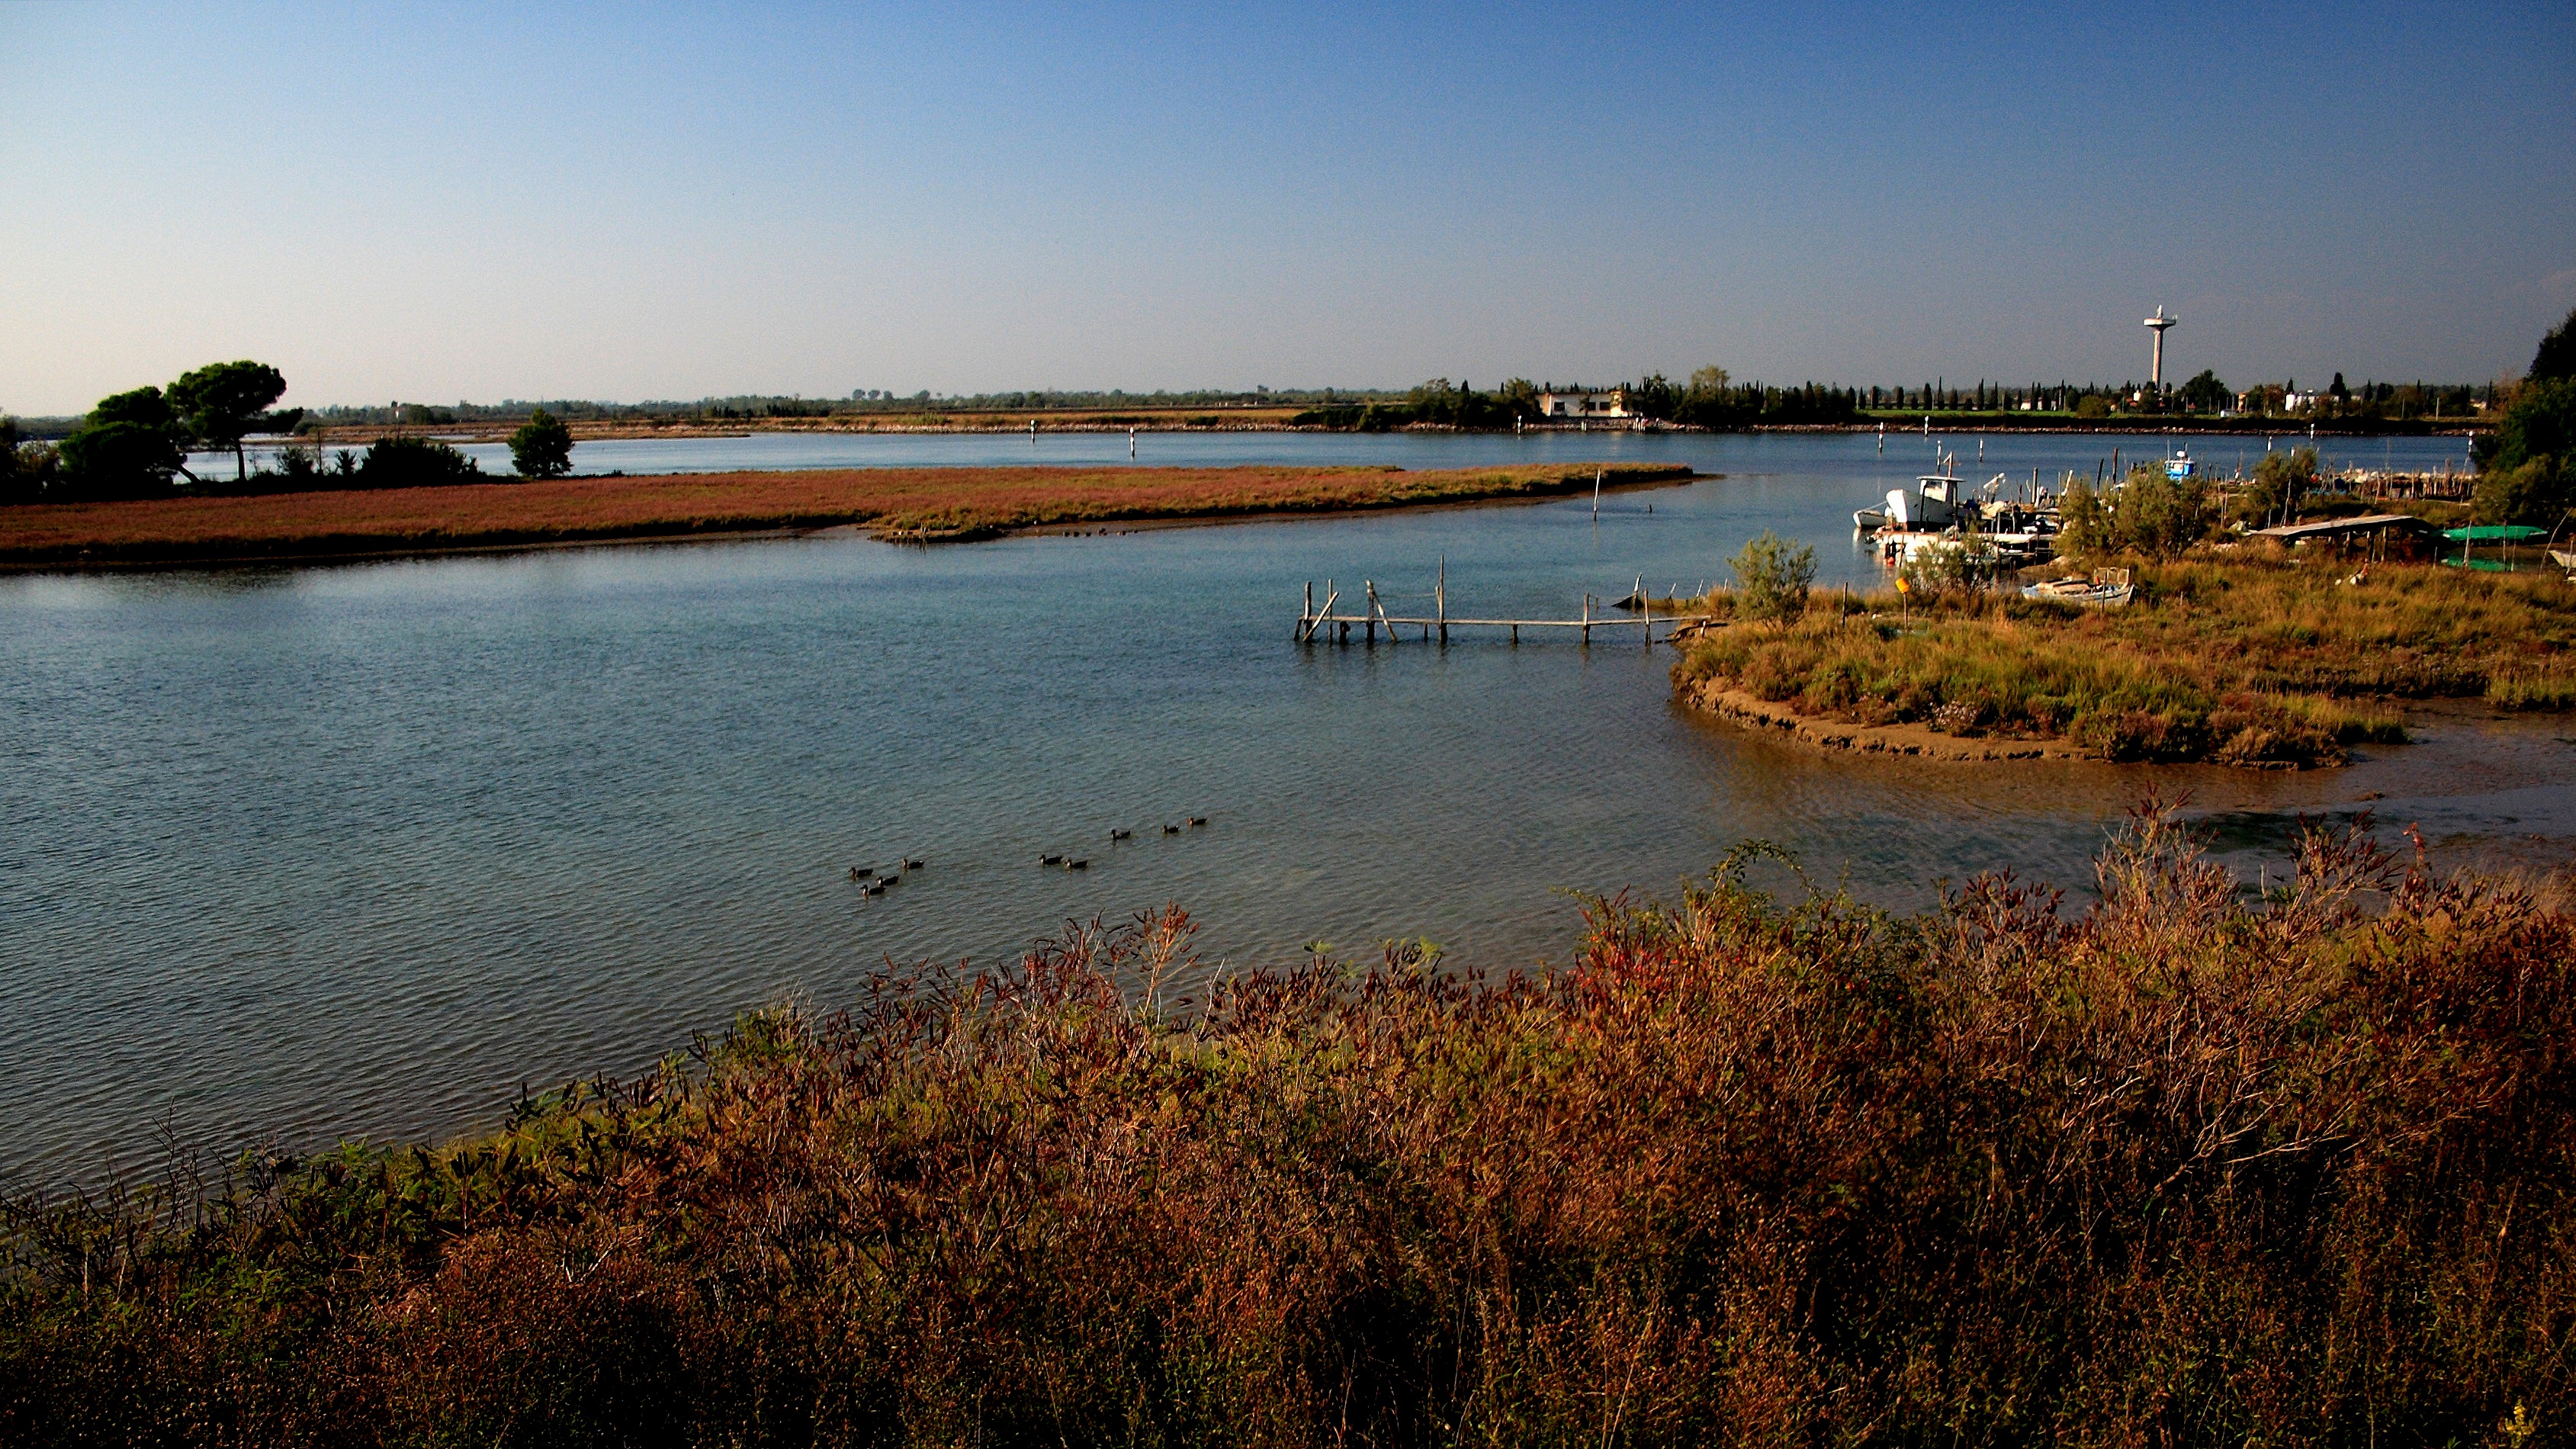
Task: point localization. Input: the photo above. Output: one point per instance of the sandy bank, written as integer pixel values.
(1898, 739)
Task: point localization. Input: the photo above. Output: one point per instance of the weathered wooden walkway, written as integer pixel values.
(1312, 621)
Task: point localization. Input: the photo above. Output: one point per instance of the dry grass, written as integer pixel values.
(2184, 1169)
(971, 500)
(2244, 660)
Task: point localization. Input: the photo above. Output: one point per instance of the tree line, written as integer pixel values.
(1710, 399)
(135, 444)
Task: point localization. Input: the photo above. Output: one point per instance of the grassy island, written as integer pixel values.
(2238, 657)
(950, 503)
(2187, 1167)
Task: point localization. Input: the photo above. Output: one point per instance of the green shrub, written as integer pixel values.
(1772, 579)
(405, 462)
(2280, 480)
(542, 448)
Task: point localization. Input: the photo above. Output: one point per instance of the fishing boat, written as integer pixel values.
(2107, 589)
(1939, 500)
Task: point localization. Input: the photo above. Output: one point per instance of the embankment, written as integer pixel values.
(916, 502)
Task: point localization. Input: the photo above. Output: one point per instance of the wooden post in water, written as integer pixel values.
(1371, 585)
(1587, 618)
(1440, 589)
(1305, 621)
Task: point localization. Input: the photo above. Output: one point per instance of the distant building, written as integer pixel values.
(1612, 404)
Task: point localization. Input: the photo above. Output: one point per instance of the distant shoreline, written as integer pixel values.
(1270, 421)
(918, 505)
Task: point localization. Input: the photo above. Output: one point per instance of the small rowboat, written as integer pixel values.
(2107, 589)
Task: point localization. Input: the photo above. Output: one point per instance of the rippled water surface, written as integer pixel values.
(357, 850)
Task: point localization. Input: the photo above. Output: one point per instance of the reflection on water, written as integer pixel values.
(360, 849)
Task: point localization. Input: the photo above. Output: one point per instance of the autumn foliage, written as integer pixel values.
(2184, 1167)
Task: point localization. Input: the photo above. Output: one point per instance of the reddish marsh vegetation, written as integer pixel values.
(482, 515)
(2183, 1168)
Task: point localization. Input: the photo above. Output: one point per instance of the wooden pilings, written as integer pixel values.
(1373, 615)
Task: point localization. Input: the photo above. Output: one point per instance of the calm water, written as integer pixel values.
(357, 850)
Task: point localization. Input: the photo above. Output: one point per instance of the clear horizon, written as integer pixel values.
(623, 204)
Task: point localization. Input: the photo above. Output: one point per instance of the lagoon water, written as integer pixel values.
(297, 853)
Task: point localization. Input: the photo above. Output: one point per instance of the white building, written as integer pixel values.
(1583, 405)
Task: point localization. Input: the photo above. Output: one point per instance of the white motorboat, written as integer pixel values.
(1939, 500)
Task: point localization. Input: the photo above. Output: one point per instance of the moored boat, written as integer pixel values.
(2107, 589)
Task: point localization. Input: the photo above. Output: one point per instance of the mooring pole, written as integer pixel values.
(1371, 585)
(1440, 597)
(1587, 619)
(1306, 620)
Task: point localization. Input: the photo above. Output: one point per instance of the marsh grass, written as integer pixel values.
(942, 500)
(2242, 660)
(2182, 1168)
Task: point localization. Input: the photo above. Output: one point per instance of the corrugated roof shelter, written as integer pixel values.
(2296, 533)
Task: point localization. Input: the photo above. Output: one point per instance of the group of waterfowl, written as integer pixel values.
(1116, 834)
(872, 882)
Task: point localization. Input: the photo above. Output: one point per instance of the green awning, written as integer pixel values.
(2495, 533)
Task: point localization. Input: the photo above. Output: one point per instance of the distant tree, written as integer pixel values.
(128, 447)
(1518, 397)
(2163, 516)
(2527, 466)
(1709, 383)
(2335, 389)
(400, 462)
(2279, 481)
(542, 448)
(2205, 393)
(18, 483)
(221, 403)
(2538, 493)
(2084, 522)
(1652, 396)
(1772, 579)
(2093, 406)
(2556, 358)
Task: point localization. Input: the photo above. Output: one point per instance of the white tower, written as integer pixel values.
(2157, 324)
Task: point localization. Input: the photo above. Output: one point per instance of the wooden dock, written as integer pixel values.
(1435, 627)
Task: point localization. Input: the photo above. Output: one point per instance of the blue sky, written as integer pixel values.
(441, 202)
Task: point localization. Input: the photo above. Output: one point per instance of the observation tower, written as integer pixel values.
(2157, 324)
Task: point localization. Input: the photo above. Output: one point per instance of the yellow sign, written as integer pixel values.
(1902, 586)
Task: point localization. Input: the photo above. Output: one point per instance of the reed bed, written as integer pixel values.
(2242, 660)
(2187, 1167)
(938, 501)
